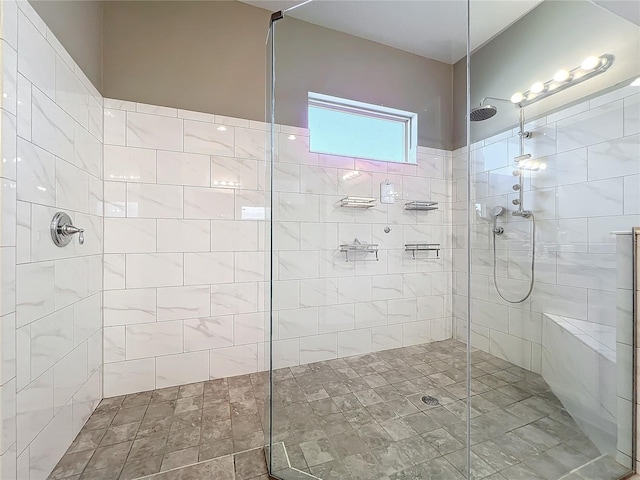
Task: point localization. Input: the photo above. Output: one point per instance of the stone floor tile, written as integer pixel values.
(148, 446)
(181, 439)
(398, 429)
(137, 399)
(140, 468)
(334, 470)
(100, 420)
(251, 464)
(129, 415)
(344, 418)
(113, 456)
(418, 450)
(362, 466)
(317, 452)
(191, 390)
(164, 394)
(179, 458)
(86, 440)
(215, 448)
(374, 436)
(71, 464)
(120, 433)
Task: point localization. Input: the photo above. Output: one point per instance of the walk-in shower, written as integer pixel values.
(342, 280)
(357, 345)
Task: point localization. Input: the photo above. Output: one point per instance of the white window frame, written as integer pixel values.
(409, 120)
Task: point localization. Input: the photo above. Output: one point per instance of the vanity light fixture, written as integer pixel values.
(636, 82)
(563, 79)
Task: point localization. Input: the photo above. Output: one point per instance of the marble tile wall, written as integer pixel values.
(586, 191)
(185, 236)
(51, 310)
(569, 358)
(624, 344)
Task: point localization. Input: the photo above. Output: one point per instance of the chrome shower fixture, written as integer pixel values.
(495, 213)
(563, 79)
(483, 112)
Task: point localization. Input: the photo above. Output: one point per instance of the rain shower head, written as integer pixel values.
(483, 112)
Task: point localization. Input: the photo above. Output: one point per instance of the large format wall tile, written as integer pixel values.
(586, 189)
(52, 161)
(204, 261)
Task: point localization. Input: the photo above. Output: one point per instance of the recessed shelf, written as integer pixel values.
(422, 247)
(357, 247)
(358, 202)
(421, 205)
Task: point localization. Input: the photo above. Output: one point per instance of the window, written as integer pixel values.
(354, 129)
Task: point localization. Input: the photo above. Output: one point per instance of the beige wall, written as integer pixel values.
(206, 56)
(313, 58)
(210, 56)
(78, 26)
(555, 35)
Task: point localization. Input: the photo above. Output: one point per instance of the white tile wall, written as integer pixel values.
(51, 324)
(184, 263)
(183, 270)
(588, 189)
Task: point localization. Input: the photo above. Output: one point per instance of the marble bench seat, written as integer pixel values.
(579, 364)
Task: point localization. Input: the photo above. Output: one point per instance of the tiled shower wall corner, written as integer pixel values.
(184, 250)
(624, 344)
(636, 307)
(51, 372)
(588, 189)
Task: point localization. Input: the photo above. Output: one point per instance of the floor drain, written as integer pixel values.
(429, 400)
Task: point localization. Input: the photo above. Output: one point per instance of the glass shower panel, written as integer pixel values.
(553, 164)
(367, 381)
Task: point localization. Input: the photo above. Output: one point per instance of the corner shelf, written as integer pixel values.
(358, 247)
(421, 205)
(358, 202)
(422, 247)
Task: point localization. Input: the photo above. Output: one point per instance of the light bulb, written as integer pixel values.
(543, 166)
(636, 82)
(222, 128)
(537, 87)
(517, 97)
(561, 76)
(590, 63)
(291, 137)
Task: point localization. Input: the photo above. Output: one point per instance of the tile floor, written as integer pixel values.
(357, 418)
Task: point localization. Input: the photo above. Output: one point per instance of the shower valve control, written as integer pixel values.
(515, 201)
(516, 187)
(62, 230)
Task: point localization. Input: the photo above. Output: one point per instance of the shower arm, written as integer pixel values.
(522, 132)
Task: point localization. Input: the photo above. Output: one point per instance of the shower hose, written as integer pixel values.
(533, 261)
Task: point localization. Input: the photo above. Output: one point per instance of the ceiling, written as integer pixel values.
(434, 29)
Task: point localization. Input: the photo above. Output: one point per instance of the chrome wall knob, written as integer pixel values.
(62, 230)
